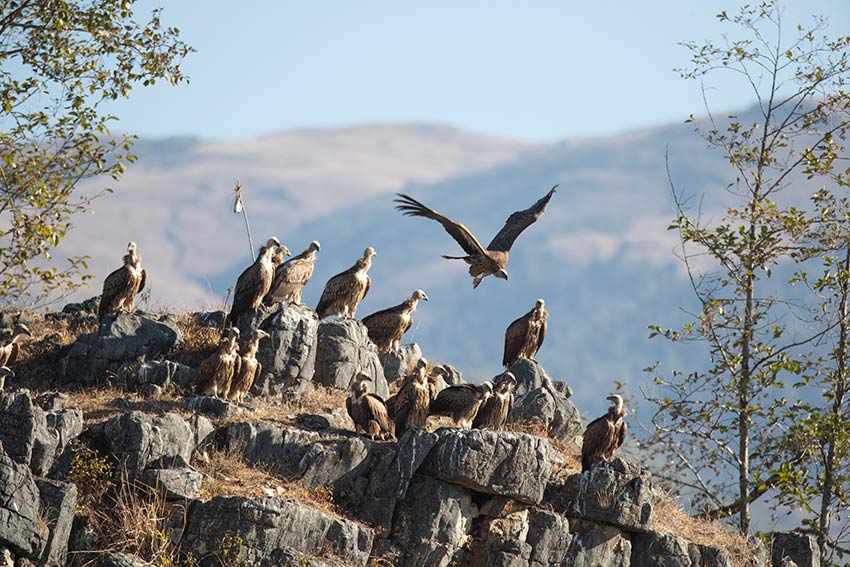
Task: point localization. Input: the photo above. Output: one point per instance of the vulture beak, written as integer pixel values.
(502, 274)
(285, 250)
(21, 328)
(273, 241)
(316, 245)
(262, 334)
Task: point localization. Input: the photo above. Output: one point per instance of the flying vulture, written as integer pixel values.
(345, 291)
(121, 286)
(9, 347)
(291, 277)
(524, 337)
(5, 373)
(482, 262)
(253, 284)
(494, 413)
(368, 411)
(216, 372)
(386, 327)
(604, 435)
(461, 402)
(412, 401)
(249, 368)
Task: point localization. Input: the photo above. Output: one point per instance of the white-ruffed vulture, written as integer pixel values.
(216, 372)
(524, 337)
(344, 292)
(387, 327)
(482, 261)
(249, 367)
(412, 401)
(494, 413)
(5, 373)
(121, 286)
(9, 344)
(291, 277)
(253, 284)
(368, 411)
(461, 402)
(604, 435)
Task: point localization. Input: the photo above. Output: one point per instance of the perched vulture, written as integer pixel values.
(121, 286)
(461, 402)
(495, 411)
(604, 435)
(5, 373)
(386, 327)
(524, 337)
(482, 262)
(368, 411)
(412, 401)
(291, 277)
(345, 291)
(249, 368)
(216, 372)
(253, 284)
(9, 347)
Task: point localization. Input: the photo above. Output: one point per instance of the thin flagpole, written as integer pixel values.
(239, 207)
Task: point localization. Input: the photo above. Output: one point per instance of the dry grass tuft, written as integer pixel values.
(99, 404)
(199, 341)
(316, 399)
(569, 450)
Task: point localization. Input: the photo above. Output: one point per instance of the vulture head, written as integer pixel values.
(269, 247)
(359, 385)
(505, 383)
(485, 390)
(617, 404)
(21, 329)
(539, 303)
(259, 334)
(369, 252)
(419, 294)
(502, 274)
(314, 246)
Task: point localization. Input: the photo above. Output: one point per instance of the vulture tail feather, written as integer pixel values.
(455, 257)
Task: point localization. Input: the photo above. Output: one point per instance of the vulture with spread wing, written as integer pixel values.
(461, 402)
(249, 368)
(387, 327)
(524, 337)
(494, 413)
(482, 262)
(9, 344)
(121, 286)
(368, 411)
(254, 283)
(344, 292)
(291, 277)
(216, 372)
(412, 401)
(604, 435)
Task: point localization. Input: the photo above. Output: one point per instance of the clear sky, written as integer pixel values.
(537, 70)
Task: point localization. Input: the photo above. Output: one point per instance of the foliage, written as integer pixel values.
(92, 473)
(228, 550)
(60, 61)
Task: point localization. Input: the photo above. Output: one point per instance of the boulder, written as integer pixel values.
(121, 338)
(326, 463)
(598, 545)
(58, 505)
(800, 548)
(24, 432)
(269, 531)
(615, 493)
(139, 441)
(122, 560)
(537, 398)
(529, 376)
(397, 365)
(175, 484)
(288, 356)
(510, 464)
(20, 526)
(710, 556)
(53, 401)
(549, 538)
(336, 418)
(269, 444)
(343, 350)
(652, 549)
(203, 432)
(213, 407)
(164, 373)
(521, 536)
(213, 319)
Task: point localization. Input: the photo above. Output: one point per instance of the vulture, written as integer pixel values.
(121, 286)
(494, 413)
(386, 327)
(461, 402)
(291, 277)
(412, 401)
(368, 411)
(249, 368)
(482, 262)
(345, 291)
(9, 347)
(5, 373)
(253, 284)
(524, 337)
(604, 435)
(216, 372)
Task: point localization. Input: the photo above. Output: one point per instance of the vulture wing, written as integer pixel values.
(378, 409)
(349, 409)
(482, 416)
(621, 433)
(13, 354)
(541, 336)
(515, 336)
(113, 285)
(338, 287)
(519, 221)
(382, 324)
(452, 399)
(245, 292)
(595, 440)
(142, 281)
(461, 234)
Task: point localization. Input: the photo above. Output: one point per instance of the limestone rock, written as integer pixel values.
(270, 444)
(58, 505)
(164, 373)
(336, 418)
(800, 548)
(343, 350)
(24, 432)
(651, 549)
(139, 441)
(398, 364)
(19, 509)
(327, 462)
(598, 545)
(288, 356)
(122, 560)
(175, 484)
(214, 407)
(710, 556)
(538, 398)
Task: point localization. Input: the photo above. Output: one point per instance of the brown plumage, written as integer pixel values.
(216, 372)
(253, 284)
(524, 337)
(9, 344)
(412, 401)
(482, 262)
(249, 368)
(494, 413)
(461, 402)
(121, 286)
(604, 435)
(387, 327)
(368, 411)
(291, 277)
(344, 292)
(5, 373)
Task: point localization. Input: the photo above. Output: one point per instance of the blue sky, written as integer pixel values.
(537, 71)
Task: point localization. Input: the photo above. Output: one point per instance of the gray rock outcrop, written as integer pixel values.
(25, 434)
(801, 549)
(398, 364)
(122, 560)
(164, 373)
(180, 483)
(598, 545)
(538, 398)
(20, 528)
(139, 441)
(343, 350)
(288, 356)
(58, 505)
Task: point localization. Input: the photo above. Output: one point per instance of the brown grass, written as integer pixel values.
(316, 399)
(570, 451)
(199, 342)
(100, 404)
